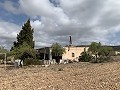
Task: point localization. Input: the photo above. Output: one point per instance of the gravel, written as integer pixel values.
(75, 76)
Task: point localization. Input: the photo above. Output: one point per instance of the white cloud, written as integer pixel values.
(8, 33)
(10, 6)
(84, 20)
(45, 9)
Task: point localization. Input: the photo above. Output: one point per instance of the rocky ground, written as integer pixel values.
(75, 76)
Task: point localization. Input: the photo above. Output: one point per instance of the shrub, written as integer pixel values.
(85, 57)
(31, 61)
(103, 59)
(23, 52)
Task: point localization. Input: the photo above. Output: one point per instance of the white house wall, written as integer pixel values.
(76, 50)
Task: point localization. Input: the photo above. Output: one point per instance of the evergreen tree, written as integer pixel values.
(25, 35)
(23, 48)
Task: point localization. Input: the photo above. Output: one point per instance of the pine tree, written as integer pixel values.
(23, 48)
(25, 35)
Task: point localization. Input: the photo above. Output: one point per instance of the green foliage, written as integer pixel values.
(3, 50)
(57, 49)
(85, 57)
(23, 52)
(94, 47)
(103, 59)
(101, 53)
(31, 61)
(105, 51)
(25, 35)
(23, 48)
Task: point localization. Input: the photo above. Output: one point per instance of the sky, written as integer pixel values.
(55, 20)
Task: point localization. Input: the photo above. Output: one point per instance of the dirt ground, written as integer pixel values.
(75, 76)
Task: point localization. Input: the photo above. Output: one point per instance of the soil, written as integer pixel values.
(74, 76)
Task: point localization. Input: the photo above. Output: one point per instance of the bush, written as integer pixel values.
(85, 57)
(103, 59)
(23, 52)
(31, 61)
(38, 62)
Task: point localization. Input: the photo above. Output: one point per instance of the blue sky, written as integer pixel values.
(56, 20)
(10, 17)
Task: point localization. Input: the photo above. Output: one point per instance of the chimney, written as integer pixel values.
(70, 41)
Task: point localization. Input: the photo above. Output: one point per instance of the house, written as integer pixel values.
(44, 53)
(71, 52)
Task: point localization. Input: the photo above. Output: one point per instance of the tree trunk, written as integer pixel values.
(57, 60)
(96, 58)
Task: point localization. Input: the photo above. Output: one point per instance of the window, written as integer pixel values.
(73, 54)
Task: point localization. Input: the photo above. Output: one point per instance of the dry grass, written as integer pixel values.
(77, 76)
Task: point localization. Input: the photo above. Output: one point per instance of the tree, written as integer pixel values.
(57, 51)
(102, 51)
(94, 49)
(2, 52)
(105, 51)
(25, 35)
(24, 52)
(23, 48)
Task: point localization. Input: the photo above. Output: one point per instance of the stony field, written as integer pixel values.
(75, 76)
